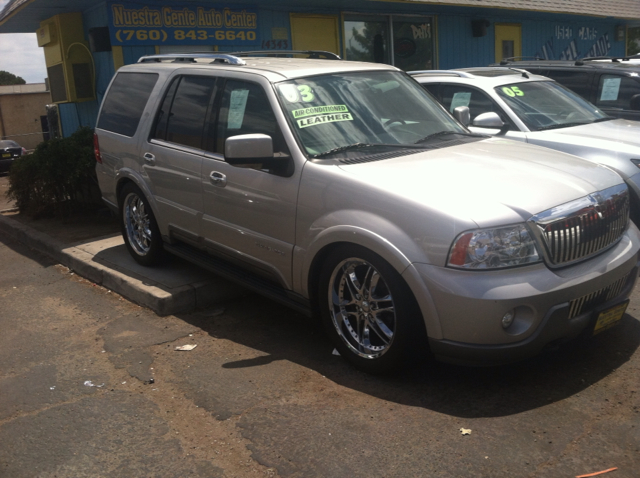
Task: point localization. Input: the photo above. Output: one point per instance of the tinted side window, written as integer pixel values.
(615, 91)
(188, 110)
(578, 81)
(123, 106)
(245, 109)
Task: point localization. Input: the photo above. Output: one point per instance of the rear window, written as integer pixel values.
(9, 144)
(125, 102)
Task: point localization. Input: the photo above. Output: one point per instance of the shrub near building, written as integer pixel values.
(58, 178)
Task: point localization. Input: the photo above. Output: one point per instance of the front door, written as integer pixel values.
(249, 211)
(315, 32)
(508, 40)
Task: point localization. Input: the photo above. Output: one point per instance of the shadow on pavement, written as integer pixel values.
(467, 392)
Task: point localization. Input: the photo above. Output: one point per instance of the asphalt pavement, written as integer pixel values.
(92, 384)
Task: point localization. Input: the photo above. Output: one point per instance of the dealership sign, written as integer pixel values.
(133, 24)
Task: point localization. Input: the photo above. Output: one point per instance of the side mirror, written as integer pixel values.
(248, 149)
(461, 113)
(490, 120)
(634, 104)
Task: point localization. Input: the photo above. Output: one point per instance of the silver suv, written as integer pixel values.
(519, 105)
(343, 189)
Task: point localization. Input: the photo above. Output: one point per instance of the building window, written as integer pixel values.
(399, 40)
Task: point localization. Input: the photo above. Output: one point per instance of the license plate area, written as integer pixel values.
(6, 155)
(609, 317)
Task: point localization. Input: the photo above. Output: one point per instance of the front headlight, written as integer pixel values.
(493, 248)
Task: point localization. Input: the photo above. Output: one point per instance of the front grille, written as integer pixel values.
(584, 227)
(597, 298)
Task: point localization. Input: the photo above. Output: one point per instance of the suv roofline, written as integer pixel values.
(593, 61)
(233, 58)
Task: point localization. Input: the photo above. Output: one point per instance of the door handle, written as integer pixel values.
(218, 179)
(149, 158)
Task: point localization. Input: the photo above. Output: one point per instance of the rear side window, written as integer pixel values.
(578, 81)
(183, 112)
(615, 91)
(125, 102)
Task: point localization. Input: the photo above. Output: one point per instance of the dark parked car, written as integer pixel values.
(612, 84)
(9, 151)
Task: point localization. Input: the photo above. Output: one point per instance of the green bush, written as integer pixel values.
(58, 178)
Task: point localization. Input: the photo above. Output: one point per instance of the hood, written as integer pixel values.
(490, 182)
(612, 143)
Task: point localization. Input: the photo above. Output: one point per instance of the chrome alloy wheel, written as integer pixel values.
(137, 224)
(362, 308)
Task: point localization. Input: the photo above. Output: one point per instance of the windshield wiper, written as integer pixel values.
(349, 147)
(448, 132)
(561, 125)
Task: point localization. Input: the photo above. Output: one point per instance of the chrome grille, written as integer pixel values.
(584, 227)
(589, 301)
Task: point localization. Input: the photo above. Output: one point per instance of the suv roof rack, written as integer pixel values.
(191, 57)
(505, 61)
(313, 54)
(461, 74)
(233, 58)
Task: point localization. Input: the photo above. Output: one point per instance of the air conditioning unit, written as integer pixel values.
(68, 58)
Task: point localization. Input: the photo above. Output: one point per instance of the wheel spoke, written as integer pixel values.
(353, 285)
(373, 283)
(381, 329)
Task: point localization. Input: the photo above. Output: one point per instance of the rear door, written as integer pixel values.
(174, 153)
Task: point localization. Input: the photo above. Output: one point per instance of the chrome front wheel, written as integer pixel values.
(369, 311)
(362, 308)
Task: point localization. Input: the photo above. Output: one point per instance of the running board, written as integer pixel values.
(240, 276)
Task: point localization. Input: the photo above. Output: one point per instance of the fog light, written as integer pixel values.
(507, 319)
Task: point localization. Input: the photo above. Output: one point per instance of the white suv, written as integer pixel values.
(343, 189)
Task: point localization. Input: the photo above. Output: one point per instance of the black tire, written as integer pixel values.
(139, 227)
(369, 311)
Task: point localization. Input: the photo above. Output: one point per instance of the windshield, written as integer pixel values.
(353, 111)
(545, 105)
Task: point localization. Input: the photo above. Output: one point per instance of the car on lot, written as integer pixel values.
(610, 83)
(9, 152)
(518, 105)
(343, 190)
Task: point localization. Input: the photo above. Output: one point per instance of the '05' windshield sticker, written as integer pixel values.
(513, 91)
(306, 117)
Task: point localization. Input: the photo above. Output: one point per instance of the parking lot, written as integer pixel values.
(262, 394)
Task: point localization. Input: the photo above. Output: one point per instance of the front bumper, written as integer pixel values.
(470, 305)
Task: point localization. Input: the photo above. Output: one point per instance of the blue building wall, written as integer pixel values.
(544, 35)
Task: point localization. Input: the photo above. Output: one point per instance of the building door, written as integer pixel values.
(508, 40)
(315, 32)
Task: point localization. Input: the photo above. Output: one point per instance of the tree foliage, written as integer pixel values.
(7, 78)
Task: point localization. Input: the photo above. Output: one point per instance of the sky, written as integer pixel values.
(21, 55)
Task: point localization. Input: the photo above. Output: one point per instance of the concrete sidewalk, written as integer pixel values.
(176, 287)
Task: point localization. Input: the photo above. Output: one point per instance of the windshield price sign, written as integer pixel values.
(134, 24)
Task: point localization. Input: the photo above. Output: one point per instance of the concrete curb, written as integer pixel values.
(161, 299)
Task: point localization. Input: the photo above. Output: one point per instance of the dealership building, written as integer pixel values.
(86, 41)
